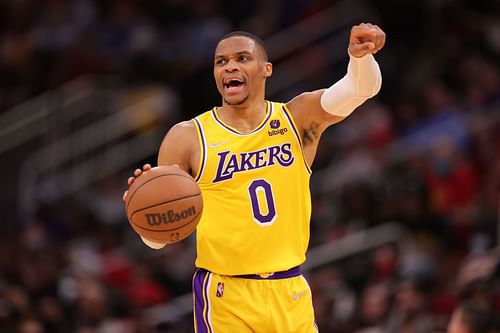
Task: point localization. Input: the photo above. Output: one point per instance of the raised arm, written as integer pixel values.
(315, 111)
(363, 79)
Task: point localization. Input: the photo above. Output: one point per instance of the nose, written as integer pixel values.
(231, 66)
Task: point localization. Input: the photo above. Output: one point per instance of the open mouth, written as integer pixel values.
(233, 85)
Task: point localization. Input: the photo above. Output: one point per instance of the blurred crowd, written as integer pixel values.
(425, 153)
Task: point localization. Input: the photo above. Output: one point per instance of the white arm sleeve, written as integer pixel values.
(362, 81)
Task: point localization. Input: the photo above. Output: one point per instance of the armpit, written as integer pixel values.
(311, 133)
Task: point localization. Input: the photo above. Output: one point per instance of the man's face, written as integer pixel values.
(240, 69)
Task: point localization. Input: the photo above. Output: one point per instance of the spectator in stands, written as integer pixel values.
(410, 312)
(374, 308)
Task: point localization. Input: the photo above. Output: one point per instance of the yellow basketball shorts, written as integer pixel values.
(279, 303)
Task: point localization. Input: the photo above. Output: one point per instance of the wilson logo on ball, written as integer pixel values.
(169, 217)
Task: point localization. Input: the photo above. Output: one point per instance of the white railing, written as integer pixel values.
(70, 179)
(325, 180)
(32, 118)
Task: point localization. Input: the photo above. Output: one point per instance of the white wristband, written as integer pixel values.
(153, 244)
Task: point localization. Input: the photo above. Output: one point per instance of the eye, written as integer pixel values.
(243, 58)
(220, 61)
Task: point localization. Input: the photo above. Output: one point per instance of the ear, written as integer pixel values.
(268, 69)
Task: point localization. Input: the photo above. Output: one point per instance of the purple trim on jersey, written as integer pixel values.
(290, 121)
(199, 291)
(292, 272)
(270, 107)
(214, 114)
(203, 149)
(291, 125)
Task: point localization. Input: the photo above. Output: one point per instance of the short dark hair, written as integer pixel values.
(239, 33)
(477, 318)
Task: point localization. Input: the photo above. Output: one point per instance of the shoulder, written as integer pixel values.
(181, 135)
(183, 129)
(179, 146)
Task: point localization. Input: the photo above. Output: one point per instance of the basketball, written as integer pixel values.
(164, 204)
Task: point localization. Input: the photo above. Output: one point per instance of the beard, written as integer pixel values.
(243, 100)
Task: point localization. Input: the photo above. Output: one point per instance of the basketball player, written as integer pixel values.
(252, 160)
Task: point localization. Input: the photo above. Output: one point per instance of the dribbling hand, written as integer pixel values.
(366, 38)
(137, 173)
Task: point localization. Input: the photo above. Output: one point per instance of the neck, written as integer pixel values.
(244, 117)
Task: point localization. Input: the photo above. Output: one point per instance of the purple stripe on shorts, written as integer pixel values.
(292, 272)
(207, 312)
(199, 303)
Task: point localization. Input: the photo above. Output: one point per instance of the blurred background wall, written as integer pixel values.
(405, 191)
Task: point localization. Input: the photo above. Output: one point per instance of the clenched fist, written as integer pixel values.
(365, 38)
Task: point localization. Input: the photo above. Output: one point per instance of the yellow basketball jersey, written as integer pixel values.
(256, 197)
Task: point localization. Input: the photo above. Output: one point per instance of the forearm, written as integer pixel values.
(362, 81)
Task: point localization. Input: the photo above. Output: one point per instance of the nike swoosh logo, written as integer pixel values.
(213, 145)
(299, 295)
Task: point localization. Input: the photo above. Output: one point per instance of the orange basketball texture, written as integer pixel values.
(164, 204)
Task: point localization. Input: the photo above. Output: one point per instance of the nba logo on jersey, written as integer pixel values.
(220, 289)
(275, 123)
